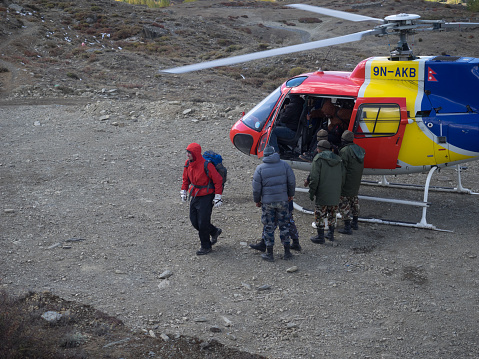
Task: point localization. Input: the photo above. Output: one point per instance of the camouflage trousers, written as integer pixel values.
(321, 213)
(349, 207)
(276, 214)
(293, 230)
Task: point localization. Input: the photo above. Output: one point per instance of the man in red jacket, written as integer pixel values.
(205, 186)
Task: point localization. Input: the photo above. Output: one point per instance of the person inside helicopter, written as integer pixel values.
(288, 121)
(338, 120)
(331, 117)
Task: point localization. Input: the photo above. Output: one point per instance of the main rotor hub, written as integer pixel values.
(402, 25)
(401, 17)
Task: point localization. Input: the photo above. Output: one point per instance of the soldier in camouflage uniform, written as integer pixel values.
(325, 184)
(349, 208)
(353, 162)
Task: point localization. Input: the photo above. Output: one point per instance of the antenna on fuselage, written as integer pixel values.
(320, 69)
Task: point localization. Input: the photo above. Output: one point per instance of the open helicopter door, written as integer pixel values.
(379, 127)
(264, 140)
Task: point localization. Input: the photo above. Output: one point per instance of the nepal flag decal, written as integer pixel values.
(430, 75)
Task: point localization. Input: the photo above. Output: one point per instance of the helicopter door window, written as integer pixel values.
(381, 120)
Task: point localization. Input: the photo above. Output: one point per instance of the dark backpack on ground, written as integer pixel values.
(217, 161)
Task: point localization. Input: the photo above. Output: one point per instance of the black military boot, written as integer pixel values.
(319, 238)
(261, 246)
(330, 234)
(268, 256)
(295, 246)
(347, 228)
(354, 223)
(287, 252)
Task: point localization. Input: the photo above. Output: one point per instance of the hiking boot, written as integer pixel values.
(214, 238)
(347, 228)
(202, 251)
(295, 246)
(330, 234)
(268, 256)
(354, 223)
(319, 238)
(306, 157)
(287, 252)
(261, 246)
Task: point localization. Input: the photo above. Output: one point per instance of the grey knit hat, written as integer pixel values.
(324, 145)
(322, 135)
(347, 136)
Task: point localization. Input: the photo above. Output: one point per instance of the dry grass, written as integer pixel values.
(83, 332)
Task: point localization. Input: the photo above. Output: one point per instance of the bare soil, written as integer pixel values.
(92, 147)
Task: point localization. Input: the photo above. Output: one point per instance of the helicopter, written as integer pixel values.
(412, 114)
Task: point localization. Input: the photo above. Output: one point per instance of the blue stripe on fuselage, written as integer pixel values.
(452, 97)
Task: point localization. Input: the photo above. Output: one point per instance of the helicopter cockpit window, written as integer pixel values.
(257, 117)
(378, 120)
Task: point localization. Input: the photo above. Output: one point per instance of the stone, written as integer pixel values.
(51, 316)
(228, 322)
(215, 329)
(292, 269)
(264, 287)
(166, 274)
(200, 319)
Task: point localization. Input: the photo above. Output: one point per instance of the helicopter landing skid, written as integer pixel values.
(423, 224)
(459, 189)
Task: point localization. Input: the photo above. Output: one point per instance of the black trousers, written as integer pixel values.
(201, 208)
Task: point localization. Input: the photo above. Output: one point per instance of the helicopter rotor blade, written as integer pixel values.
(450, 25)
(334, 13)
(273, 52)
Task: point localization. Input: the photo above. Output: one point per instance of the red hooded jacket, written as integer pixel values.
(194, 174)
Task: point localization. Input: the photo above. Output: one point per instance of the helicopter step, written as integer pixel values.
(424, 204)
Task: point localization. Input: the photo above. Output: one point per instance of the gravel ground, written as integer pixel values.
(91, 213)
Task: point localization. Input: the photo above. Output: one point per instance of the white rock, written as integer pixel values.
(292, 269)
(163, 284)
(228, 322)
(51, 316)
(166, 274)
